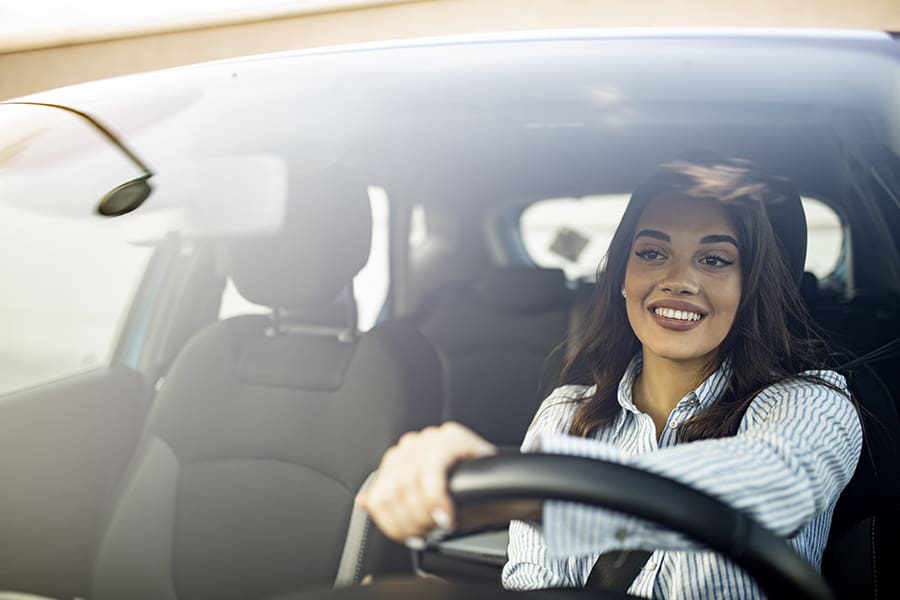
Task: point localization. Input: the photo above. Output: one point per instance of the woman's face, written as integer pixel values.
(683, 279)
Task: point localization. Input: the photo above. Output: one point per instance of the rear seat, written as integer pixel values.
(494, 338)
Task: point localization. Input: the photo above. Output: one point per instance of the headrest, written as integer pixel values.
(789, 226)
(523, 288)
(323, 244)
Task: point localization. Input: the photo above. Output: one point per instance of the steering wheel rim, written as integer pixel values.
(779, 571)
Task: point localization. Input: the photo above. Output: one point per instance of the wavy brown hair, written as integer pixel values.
(772, 338)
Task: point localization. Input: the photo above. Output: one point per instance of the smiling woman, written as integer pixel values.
(696, 332)
(722, 261)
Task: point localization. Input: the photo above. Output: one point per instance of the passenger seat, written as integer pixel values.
(267, 427)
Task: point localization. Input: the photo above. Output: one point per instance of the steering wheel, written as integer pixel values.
(779, 571)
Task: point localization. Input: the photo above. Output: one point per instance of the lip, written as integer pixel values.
(676, 324)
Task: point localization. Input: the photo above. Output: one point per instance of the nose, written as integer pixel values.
(679, 279)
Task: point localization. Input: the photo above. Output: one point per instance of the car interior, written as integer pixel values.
(250, 435)
(239, 428)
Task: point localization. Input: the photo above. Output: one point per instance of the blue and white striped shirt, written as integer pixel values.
(795, 450)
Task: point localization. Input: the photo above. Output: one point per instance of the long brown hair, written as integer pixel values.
(771, 339)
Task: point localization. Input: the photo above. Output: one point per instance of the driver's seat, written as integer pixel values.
(866, 520)
(859, 561)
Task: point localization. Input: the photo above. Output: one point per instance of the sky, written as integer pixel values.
(32, 23)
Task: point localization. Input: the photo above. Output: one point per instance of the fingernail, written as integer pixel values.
(415, 543)
(441, 518)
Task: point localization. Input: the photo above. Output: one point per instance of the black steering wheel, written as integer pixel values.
(779, 571)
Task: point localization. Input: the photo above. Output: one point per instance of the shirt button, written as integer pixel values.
(693, 402)
(621, 533)
(674, 424)
(651, 565)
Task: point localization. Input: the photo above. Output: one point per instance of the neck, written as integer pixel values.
(662, 382)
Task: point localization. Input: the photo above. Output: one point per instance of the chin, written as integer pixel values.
(679, 353)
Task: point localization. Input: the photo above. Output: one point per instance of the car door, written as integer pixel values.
(71, 406)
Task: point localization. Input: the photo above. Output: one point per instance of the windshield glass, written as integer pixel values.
(308, 210)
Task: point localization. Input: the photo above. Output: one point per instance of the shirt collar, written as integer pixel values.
(626, 384)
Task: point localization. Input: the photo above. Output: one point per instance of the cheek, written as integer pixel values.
(728, 298)
(636, 277)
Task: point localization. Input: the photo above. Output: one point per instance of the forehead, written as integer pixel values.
(685, 216)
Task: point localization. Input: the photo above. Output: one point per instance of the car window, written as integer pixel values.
(370, 286)
(67, 284)
(418, 227)
(573, 234)
(825, 237)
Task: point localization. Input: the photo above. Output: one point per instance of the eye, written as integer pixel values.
(649, 254)
(712, 260)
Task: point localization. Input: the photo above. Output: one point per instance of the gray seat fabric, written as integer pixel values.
(265, 430)
(494, 339)
(859, 561)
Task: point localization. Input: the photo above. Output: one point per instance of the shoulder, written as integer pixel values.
(809, 383)
(823, 391)
(556, 411)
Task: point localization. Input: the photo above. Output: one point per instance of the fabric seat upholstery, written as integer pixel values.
(494, 338)
(866, 522)
(264, 431)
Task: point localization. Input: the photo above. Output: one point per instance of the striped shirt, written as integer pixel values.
(795, 450)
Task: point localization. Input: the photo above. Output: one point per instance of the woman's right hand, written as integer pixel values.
(409, 498)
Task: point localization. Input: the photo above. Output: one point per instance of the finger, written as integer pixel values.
(414, 509)
(410, 517)
(396, 503)
(467, 442)
(433, 484)
(383, 517)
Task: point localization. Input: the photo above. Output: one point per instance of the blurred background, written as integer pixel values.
(51, 43)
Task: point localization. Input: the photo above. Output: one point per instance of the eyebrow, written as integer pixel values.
(709, 239)
(715, 239)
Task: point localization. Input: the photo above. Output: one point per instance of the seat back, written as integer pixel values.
(265, 428)
(494, 338)
(866, 521)
(857, 561)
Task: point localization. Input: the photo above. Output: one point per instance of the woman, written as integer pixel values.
(703, 370)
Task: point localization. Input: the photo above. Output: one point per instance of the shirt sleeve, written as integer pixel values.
(529, 564)
(797, 448)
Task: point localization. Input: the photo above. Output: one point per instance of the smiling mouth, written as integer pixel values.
(677, 315)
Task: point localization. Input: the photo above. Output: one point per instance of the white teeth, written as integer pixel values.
(681, 315)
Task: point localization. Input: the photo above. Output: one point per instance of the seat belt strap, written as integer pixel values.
(348, 572)
(616, 570)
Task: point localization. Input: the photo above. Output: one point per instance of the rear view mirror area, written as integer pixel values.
(58, 161)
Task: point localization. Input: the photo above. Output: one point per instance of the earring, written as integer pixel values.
(624, 295)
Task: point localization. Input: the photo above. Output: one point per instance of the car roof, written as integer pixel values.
(487, 123)
(603, 81)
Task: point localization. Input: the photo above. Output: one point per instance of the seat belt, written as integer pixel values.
(349, 568)
(616, 570)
